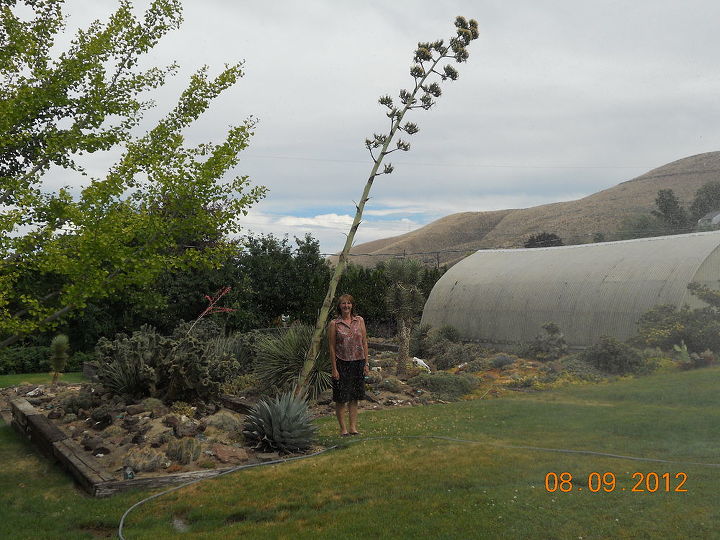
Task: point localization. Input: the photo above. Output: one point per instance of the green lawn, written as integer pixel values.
(38, 378)
(404, 488)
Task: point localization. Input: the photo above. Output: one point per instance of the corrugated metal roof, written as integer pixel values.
(589, 290)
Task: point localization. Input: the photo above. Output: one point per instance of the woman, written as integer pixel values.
(347, 341)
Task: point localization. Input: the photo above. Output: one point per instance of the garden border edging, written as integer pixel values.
(52, 442)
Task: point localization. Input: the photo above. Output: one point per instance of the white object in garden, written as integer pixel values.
(420, 363)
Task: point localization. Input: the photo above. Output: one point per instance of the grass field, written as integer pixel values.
(403, 488)
(38, 378)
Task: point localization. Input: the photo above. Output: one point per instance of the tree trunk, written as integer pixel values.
(403, 347)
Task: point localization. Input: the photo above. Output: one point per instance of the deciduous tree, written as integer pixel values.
(123, 229)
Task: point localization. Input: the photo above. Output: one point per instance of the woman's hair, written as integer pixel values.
(345, 298)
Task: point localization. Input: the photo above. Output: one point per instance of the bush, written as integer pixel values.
(147, 364)
(446, 355)
(420, 340)
(445, 386)
(33, 359)
(612, 356)
(391, 384)
(280, 359)
(667, 325)
(500, 361)
(549, 344)
(480, 364)
(450, 333)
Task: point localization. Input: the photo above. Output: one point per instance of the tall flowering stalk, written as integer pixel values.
(426, 73)
(212, 306)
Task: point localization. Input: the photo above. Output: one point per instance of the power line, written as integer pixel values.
(446, 164)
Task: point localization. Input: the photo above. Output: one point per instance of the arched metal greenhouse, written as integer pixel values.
(506, 295)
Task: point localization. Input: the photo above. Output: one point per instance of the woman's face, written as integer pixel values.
(346, 307)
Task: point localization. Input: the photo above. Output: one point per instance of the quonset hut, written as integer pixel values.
(505, 296)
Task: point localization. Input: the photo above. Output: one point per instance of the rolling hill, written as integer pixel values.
(449, 239)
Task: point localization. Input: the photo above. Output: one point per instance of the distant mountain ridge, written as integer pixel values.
(451, 238)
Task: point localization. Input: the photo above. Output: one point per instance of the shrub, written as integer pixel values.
(280, 359)
(280, 424)
(420, 340)
(149, 365)
(480, 364)
(446, 354)
(239, 385)
(612, 356)
(500, 361)
(33, 359)
(549, 344)
(450, 333)
(446, 386)
(391, 384)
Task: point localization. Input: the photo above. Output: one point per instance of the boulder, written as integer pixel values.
(229, 454)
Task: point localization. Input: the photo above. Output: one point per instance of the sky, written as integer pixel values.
(559, 99)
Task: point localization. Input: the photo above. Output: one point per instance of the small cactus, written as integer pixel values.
(282, 423)
(59, 347)
(184, 450)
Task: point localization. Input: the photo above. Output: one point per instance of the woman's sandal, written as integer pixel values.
(354, 433)
(345, 434)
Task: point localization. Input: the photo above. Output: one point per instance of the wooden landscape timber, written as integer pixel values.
(85, 469)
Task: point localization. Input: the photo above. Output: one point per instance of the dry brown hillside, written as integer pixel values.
(451, 238)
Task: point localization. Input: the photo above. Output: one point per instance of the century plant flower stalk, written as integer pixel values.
(425, 72)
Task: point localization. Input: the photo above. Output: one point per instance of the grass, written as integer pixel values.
(38, 378)
(434, 488)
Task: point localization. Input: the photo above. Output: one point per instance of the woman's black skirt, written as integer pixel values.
(351, 385)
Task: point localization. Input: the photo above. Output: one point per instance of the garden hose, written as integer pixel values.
(438, 437)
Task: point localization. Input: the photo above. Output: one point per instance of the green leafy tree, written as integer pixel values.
(543, 239)
(671, 213)
(707, 199)
(404, 301)
(121, 231)
(426, 71)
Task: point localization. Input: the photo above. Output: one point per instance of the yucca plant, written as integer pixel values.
(59, 347)
(281, 357)
(280, 424)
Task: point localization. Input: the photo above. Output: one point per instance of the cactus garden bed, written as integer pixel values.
(101, 439)
(110, 446)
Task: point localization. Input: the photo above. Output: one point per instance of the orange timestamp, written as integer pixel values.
(595, 482)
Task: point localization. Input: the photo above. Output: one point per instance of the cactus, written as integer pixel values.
(281, 423)
(143, 459)
(184, 450)
(59, 347)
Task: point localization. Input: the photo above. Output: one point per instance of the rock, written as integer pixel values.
(35, 393)
(101, 451)
(91, 442)
(267, 456)
(138, 438)
(144, 459)
(55, 414)
(229, 454)
(135, 409)
(171, 421)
